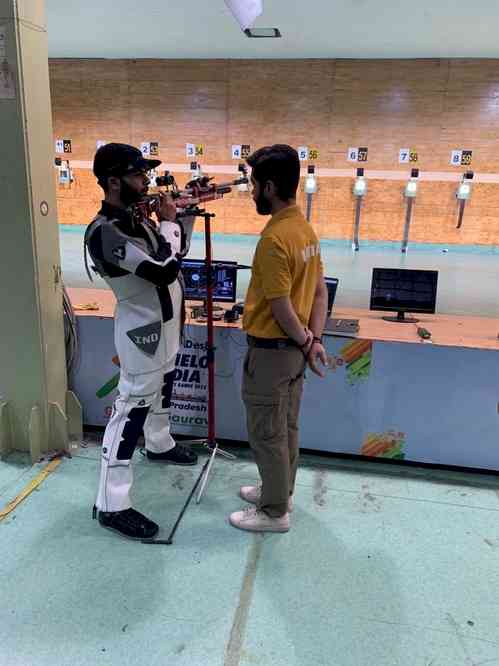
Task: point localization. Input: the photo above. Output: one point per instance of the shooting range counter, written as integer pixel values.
(387, 393)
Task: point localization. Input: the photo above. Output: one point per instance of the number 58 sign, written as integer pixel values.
(407, 155)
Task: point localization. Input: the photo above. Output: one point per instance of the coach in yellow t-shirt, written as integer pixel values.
(284, 316)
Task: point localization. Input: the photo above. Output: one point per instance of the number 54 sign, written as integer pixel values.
(194, 150)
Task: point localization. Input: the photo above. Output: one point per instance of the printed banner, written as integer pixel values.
(190, 388)
(189, 409)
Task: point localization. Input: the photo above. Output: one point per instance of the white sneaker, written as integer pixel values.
(253, 520)
(252, 494)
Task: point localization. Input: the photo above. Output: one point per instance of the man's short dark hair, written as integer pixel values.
(281, 165)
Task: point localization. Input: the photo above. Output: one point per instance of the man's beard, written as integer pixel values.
(263, 205)
(128, 195)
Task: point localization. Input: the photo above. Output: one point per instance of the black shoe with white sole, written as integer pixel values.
(179, 455)
(129, 523)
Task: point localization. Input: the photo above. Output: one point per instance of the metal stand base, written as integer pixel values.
(214, 451)
(202, 479)
(169, 540)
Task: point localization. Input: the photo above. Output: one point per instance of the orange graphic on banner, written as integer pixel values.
(357, 357)
(388, 444)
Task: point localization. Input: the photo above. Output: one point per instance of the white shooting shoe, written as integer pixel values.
(253, 520)
(252, 495)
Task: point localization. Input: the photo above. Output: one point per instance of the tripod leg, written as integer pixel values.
(221, 452)
(193, 442)
(169, 540)
(207, 473)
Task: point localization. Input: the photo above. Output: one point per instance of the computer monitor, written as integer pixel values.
(332, 286)
(224, 283)
(403, 290)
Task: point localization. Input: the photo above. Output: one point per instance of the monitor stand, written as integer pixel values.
(402, 319)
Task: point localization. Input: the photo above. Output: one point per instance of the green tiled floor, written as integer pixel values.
(380, 568)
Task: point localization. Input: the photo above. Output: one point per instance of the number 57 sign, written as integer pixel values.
(357, 154)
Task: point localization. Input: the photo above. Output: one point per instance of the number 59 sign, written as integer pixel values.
(461, 157)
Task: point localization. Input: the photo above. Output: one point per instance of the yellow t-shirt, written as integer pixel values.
(287, 262)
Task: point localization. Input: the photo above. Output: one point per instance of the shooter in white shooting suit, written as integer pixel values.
(140, 261)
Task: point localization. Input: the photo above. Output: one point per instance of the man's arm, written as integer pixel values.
(317, 321)
(120, 251)
(285, 315)
(319, 308)
(170, 224)
(187, 224)
(276, 282)
(283, 312)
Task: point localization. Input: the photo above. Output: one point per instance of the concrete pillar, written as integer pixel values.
(33, 385)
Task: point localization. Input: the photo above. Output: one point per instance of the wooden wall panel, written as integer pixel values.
(418, 76)
(281, 102)
(434, 106)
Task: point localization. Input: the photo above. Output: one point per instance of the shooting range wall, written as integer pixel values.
(430, 106)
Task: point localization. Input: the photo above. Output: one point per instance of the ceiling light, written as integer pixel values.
(259, 33)
(245, 11)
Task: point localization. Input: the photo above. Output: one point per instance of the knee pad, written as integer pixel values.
(133, 429)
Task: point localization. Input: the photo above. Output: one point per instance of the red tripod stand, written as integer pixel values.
(210, 442)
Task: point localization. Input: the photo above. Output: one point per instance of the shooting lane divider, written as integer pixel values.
(32, 485)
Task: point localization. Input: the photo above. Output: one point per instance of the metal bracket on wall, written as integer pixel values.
(408, 216)
(462, 204)
(356, 231)
(309, 207)
(5, 429)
